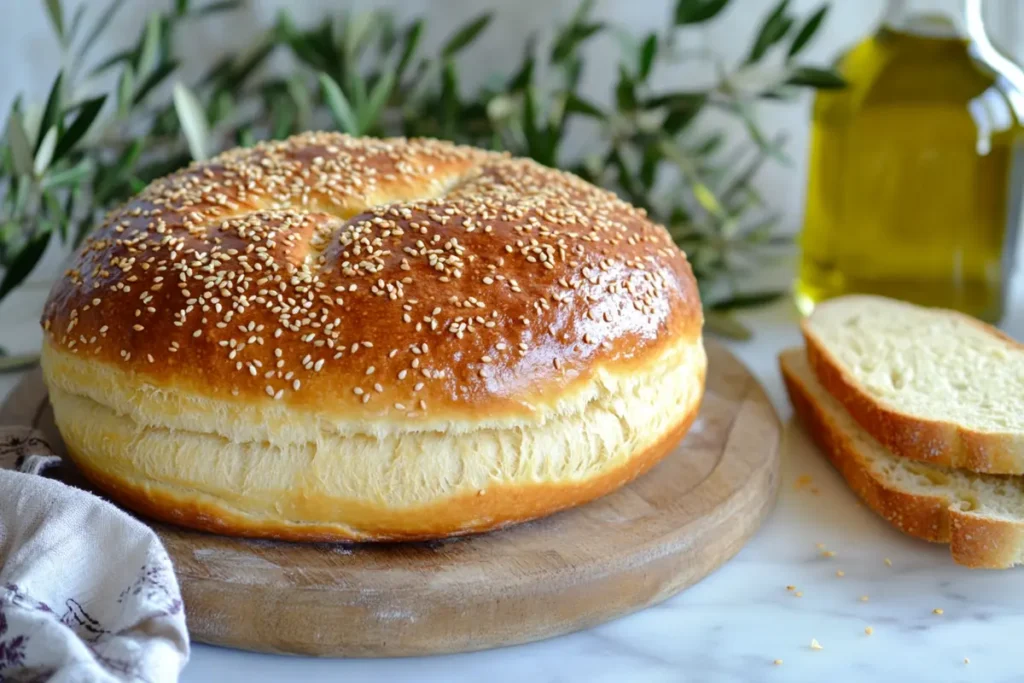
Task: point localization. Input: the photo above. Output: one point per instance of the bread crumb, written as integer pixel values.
(840, 573)
(815, 491)
(863, 598)
(937, 610)
(791, 588)
(828, 553)
(868, 630)
(799, 594)
(888, 562)
(815, 645)
(967, 660)
(802, 481)
(777, 662)
(819, 546)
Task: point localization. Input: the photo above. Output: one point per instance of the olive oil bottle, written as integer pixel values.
(913, 190)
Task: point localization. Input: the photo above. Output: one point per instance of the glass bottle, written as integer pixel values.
(914, 189)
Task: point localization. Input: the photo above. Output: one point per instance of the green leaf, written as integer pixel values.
(215, 7)
(25, 260)
(282, 119)
(709, 145)
(21, 148)
(21, 193)
(649, 166)
(44, 154)
(450, 104)
(125, 88)
(807, 31)
(76, 23)
(79, 127)
(824, 79)
(409, 43)
(113, 60)
(69, 176)
(571, 39)
(111, 178)
(625, 95)
(245, 137)
(193, 121)
(530, 131)
(56, 14)
(150, 46)
(577, 105)
(706, 198)
(356, 89)
(725, 325)
(772, 31)
(300, 96)
(463, 37)
(524, 76)
(625, 176)
(181, 7)
(647, 53)
(375, 104)
(341, 110)
(102, 22)
(358, 30)
(697, 11)
(51, 113)
(154, 79)
(583, 10)
(742, 301)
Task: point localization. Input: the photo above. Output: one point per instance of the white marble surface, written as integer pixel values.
(735, 623)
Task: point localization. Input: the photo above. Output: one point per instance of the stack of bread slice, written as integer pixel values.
(922, 412)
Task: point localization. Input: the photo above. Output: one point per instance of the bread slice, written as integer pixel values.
(930, 384)
(981, 516)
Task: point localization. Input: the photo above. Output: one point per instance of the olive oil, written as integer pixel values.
(911, 191)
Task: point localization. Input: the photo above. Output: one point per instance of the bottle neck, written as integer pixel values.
(927, 18)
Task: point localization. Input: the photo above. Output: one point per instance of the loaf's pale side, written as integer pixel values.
(929, 384)
(981, 516)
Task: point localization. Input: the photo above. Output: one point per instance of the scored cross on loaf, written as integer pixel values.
(335, 337)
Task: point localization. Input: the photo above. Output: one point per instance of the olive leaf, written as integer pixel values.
(341, 111)
(814, 77)
(807, 31)
(87, 113)
(44, 154)
(463, 37)
(56, 14)
(697, 11)
(24, 261)
(774, 29)
(193, 121)
(21, 148)
(52, 110)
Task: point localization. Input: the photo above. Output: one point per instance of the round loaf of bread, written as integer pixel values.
(337, 338)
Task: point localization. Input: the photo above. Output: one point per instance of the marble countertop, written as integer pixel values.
(736, 623)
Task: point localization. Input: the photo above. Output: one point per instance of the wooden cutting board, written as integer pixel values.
(578, 568)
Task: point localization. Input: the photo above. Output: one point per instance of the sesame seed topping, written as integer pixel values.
(491, 255)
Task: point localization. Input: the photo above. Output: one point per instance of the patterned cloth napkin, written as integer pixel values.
(87, 593)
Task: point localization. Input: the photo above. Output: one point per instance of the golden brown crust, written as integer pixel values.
(975, 540)
(497, 507)
(908, 436)
(377, 279)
